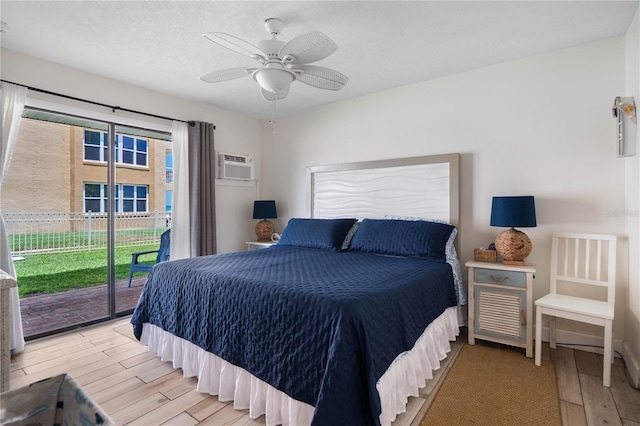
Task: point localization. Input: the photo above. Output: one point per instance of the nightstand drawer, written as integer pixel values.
(500, 277)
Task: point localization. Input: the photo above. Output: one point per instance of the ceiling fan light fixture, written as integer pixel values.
(282, 63)
(274, 80)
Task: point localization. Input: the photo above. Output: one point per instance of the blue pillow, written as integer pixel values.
(403, 238)
(316, 233)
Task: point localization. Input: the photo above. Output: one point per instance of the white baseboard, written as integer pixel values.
(595, 344)
(633, 365)
(583, 342)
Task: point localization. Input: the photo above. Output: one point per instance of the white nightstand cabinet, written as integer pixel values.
(256, 245)
(501, 304)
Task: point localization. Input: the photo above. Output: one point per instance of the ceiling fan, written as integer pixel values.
(281, 63)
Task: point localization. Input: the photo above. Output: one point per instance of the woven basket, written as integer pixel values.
(481, 255)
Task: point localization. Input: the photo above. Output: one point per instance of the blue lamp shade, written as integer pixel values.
(513, 212)
(265, 209)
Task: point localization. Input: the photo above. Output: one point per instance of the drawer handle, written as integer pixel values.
(524, 318)
(497, 278)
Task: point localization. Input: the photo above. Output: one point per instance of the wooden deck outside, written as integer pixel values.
(45, 312)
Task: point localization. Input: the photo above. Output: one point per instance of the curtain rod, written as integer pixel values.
(113, 108)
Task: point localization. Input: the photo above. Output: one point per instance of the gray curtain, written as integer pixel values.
(202, 196)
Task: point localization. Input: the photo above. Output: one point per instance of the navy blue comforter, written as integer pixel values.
(320, 326)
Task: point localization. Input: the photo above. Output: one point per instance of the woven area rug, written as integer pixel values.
(491, 386)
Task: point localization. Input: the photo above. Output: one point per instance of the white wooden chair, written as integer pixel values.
(580, 259)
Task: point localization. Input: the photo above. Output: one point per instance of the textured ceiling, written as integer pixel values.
(381, 44)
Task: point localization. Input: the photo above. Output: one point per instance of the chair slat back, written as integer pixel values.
(584, 259)
(165, 242)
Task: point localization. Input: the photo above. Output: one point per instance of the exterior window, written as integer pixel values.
(129, 150)
(141, 152)
(95, 145)
(168, 195)
(169, 168)
(95, 197)
(129, 198)
(134, 198)
(141, 198)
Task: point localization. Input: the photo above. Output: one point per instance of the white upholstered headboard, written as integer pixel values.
(425, 186)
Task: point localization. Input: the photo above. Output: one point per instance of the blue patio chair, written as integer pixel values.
(163, 255)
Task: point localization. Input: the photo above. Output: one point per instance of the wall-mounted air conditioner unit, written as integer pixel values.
(232, 166)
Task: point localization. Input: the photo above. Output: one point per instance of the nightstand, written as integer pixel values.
(501, 304)
(256, 245)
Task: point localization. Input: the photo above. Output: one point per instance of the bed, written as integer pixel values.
(340, 321)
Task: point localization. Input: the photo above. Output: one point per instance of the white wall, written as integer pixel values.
(234, 133)
(632, 212)
(539, 126)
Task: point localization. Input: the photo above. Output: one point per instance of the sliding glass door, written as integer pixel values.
(143, 183)
(80, 197)
(59, 246)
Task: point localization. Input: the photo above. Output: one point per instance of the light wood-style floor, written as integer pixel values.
(135, 387)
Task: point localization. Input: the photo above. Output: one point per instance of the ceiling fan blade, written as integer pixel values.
(227, 74)
(270, 96)
(307, 48)
(237, 45)
(320, 77)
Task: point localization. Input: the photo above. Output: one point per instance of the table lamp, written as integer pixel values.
(513, 245)
(264, 209)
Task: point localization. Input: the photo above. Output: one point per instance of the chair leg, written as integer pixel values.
(552, 333)
(538, 336)
(608, 353)
(134, 261)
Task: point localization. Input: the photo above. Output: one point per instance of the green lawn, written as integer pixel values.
(56, 272)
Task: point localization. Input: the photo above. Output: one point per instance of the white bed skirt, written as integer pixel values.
(404, 378)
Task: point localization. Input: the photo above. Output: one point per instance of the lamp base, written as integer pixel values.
(264, 229)
(514, 246)
(513, 262)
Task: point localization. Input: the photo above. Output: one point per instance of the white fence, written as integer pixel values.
(56, 231)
